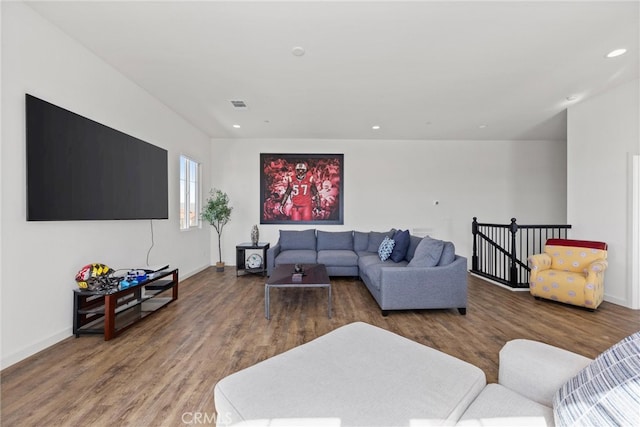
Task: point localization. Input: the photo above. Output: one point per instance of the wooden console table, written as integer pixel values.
(111, 314)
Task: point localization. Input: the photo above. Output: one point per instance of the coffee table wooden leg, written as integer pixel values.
(329, 292)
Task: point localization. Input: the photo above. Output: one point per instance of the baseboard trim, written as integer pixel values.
(493, 282)
(35, 348)
(618, 301)
(194, 272)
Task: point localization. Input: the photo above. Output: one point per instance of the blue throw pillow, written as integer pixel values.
(427, 253)
(385, 249)
(401, 239)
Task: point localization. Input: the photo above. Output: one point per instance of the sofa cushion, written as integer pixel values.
(401, 239)
(360, 241)
(605, 392)
(448, 254)
(427, 253)
(563, 286)
(367, 260)
(375, 238)
(340, 240)
(385, 249)
(294, 239)
(337, 257)
(302, 256)
(537, 370)
(499, 406)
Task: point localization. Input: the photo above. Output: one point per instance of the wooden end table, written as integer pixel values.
(241, 260)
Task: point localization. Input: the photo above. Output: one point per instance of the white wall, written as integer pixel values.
(602, 134)
(40, 259)
(387, 184)
(394, 183)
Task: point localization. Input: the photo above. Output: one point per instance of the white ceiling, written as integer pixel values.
(418, 69)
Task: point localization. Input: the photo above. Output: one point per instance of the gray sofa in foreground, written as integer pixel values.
(419, 273)
(362, 375)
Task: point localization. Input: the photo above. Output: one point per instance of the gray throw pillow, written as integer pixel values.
(448, 254)
(427, 253)
(414, 241)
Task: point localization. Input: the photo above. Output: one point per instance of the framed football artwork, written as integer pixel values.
(301, 188)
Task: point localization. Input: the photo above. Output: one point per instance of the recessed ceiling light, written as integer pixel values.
(571, 97)
(616, 52)
(236, 126)
(375, 127)
(482, 126)
(297, 51)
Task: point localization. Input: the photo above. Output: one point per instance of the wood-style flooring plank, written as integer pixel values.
(161, 372)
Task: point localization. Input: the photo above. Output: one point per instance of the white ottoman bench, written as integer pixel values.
(356, 375)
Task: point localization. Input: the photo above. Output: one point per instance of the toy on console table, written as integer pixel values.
(97, 278)
(132, 278)
(102, 279)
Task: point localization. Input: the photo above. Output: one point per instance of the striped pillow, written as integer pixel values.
(606, 392)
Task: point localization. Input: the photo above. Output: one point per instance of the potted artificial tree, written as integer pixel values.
(217, 212)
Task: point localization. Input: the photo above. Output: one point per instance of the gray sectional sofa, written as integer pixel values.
(362, 375)
(419, 273)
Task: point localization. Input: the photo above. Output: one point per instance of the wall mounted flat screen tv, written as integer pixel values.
(78, 169)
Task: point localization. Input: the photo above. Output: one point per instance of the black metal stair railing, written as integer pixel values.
(500, 251)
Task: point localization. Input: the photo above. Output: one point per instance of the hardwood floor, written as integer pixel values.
(162, 371)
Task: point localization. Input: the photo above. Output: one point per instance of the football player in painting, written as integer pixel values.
(303, 192)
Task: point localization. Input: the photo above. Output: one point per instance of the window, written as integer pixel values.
(189, 193)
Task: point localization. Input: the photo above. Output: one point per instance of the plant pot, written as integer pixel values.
(219, 266)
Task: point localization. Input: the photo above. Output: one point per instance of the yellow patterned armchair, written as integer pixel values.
(570, 271)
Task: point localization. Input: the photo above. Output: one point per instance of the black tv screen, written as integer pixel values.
(78, 169)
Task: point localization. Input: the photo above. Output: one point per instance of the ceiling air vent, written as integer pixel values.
(239, 105)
